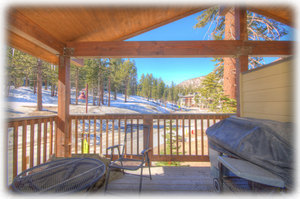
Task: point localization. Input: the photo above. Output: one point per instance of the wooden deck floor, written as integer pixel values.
(169, 180)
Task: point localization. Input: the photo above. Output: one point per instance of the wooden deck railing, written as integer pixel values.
(173, 137)
(30, 142)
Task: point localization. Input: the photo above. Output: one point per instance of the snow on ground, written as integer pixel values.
(22, 102)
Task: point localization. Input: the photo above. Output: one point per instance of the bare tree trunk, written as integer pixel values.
(102, 93)
(115, 94)
(52, 90)
(46, 87)
(26, 80)
(34, 86)
(125, 99)
(229, 83)
(39, 85)
(109, 91)
(8, 89)
(94, 99)
(15, 83)
(76, 85)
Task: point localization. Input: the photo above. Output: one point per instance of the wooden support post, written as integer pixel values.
(63, 105)
(148, 121)
(242, 59)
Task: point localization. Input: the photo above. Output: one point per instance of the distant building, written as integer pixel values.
(187, 100)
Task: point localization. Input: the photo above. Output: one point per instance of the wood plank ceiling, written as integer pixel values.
(45, 31)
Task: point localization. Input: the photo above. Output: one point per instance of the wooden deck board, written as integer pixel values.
(166, 179)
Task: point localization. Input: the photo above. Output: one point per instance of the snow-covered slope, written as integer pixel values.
(24, 97)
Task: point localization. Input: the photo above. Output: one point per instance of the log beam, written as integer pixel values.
(157, 49)
(26, 46)
(24, 27)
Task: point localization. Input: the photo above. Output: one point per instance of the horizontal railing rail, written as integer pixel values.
(173, 137)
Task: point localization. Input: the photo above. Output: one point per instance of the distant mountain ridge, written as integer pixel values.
(195, 82)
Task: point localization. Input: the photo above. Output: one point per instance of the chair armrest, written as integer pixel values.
(115, 146)
(146, 150)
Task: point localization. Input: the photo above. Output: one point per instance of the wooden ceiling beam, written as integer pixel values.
(26, 46)
(156, 49)
(21, 25)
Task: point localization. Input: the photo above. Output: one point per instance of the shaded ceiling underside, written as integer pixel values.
(45, 31)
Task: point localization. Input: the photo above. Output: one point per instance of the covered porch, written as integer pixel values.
(59, 39)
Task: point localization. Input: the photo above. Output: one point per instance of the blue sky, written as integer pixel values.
(175, 69)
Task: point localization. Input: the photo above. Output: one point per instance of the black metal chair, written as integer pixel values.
(121, 162)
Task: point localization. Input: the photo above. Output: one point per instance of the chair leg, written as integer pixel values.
(149, 167)
(141, 178)
(106, 179)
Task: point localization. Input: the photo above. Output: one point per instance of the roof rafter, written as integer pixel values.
(26, 46)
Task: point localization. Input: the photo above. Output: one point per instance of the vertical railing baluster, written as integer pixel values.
(101, 129)
(158, 137)
(165, 144)
(138, 136)
(119, 131)
(190, 140)
(171, 138)
(76, 135)
(70, 139)
(82, 135)
(106, 153)
(45, 141)
(202, 137)
(131, 137)
(95, 134)
(31, 143)
(39, 143)
(196, 137)
(55, 127)
(177, 152)
(24, 143)
(113, 135)
(15, 150)
(183, 137)
(125, 130)
(89, 135)
(51, 138)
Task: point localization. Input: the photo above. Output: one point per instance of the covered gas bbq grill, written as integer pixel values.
(245, 152)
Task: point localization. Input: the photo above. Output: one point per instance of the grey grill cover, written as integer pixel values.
(265, 143)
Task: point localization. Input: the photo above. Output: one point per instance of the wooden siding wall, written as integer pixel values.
(267, 92)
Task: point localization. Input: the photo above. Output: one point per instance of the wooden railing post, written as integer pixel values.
(148, 121)
(63, 104)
